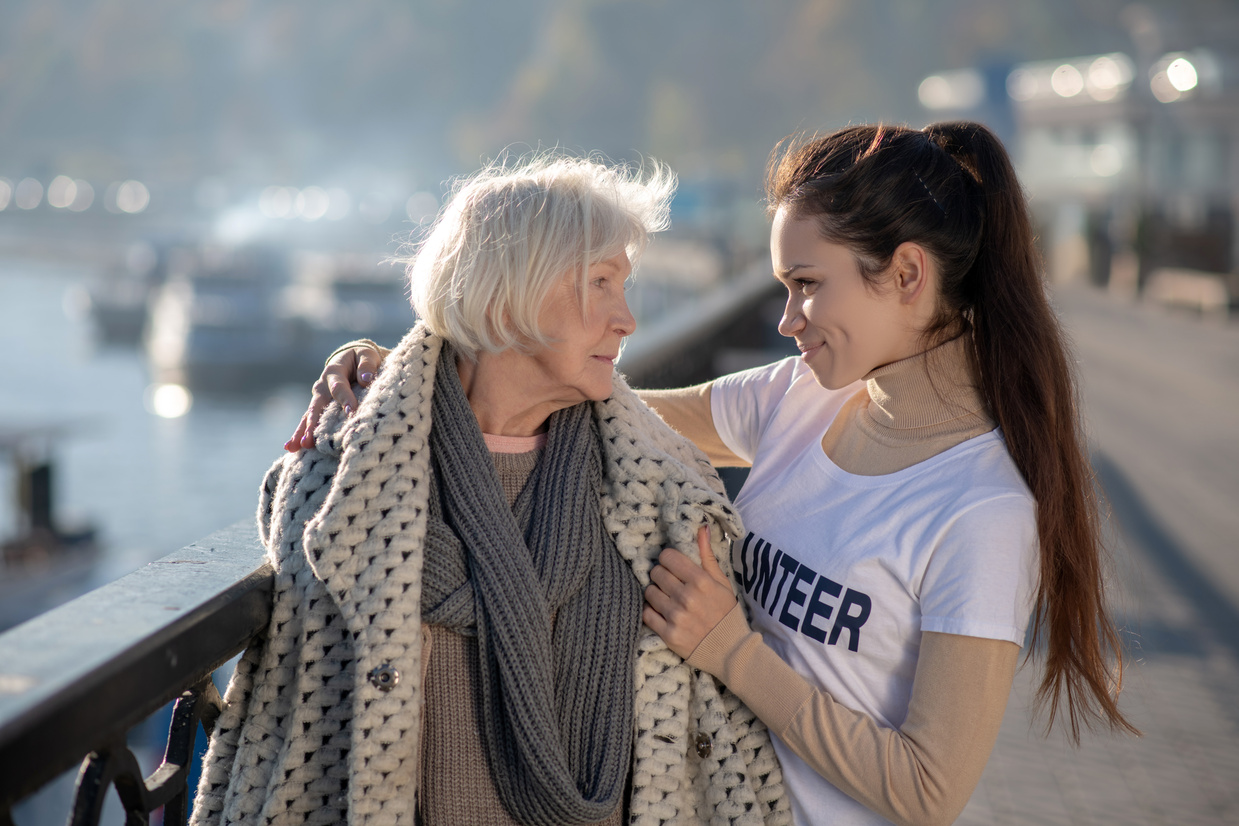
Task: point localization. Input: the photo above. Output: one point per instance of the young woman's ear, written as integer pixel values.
(912, 271)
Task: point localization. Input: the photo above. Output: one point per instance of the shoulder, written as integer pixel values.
(984, 467)
(775, 379)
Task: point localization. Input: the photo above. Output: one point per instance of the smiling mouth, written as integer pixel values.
(807, 350)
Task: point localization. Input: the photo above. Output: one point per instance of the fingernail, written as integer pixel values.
(366, 378)
(288, 445)
(348, 410)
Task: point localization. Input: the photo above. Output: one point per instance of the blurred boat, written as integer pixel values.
(337, 298)
(217, 324)
(118, 299)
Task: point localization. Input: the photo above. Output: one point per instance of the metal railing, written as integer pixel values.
(74, 681)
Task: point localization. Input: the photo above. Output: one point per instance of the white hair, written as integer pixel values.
(508, 235)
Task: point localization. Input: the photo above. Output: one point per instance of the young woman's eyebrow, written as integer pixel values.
(787, 271)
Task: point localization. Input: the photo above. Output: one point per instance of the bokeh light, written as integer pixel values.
(952, 90)
(1108, 77)
(129, 197)
(421, 207)
(1105, 160)
(1067, 81)
(6, 193)
(1182, 75)
(61, 192)
(84, 197)
(1022, 85)
(29, 194)
(312, 203)
(168, 401)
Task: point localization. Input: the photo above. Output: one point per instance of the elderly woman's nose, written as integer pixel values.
(623, 319)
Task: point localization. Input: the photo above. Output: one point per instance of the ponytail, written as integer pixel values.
(952, 189)
(1029, 386)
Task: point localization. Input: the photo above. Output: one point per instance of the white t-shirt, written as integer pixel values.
(842, 573)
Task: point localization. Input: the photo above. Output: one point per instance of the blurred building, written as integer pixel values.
(1132, 165)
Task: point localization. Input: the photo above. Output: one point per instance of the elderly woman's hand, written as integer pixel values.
(347, 365)
(684, 601)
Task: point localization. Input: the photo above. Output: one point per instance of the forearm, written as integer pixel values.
(923, 772)
(687, 410)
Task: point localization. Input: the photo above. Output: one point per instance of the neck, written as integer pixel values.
(501, 396)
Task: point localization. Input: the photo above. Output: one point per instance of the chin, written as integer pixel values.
(832, 382)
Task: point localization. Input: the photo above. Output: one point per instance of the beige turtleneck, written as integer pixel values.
(909, 411)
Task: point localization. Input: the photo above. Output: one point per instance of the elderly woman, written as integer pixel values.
(456, 634)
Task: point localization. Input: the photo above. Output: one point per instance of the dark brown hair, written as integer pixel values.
(952, 189)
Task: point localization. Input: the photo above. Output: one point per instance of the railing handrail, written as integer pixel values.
(80, 676)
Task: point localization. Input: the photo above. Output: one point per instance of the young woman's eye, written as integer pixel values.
(805, 285)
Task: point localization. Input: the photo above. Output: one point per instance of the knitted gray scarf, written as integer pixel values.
(557, 698)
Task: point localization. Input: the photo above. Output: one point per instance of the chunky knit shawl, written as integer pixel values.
(322, 718)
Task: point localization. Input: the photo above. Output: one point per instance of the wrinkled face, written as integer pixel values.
(577, 365)
(843, 327)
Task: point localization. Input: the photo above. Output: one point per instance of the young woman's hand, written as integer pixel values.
(684, 600)
(353, 364)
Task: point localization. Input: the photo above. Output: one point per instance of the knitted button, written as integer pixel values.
(702, 742)
(384, 677)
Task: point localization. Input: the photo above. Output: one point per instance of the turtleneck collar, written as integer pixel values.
(930, 394)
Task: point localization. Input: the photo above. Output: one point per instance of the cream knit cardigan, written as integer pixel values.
(308, 733)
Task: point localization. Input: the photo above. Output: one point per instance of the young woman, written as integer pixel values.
(919, 486)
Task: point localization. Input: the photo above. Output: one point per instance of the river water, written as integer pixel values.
(150, 485)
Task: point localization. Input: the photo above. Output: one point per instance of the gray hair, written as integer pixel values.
(508, 235)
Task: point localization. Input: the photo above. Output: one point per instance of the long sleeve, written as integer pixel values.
(922, 773)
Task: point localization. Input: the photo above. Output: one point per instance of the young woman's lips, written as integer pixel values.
(805, 352)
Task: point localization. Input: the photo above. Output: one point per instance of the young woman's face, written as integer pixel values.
(844, 328)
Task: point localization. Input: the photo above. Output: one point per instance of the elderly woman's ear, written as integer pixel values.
(354, 363)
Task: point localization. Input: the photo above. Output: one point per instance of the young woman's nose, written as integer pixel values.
(792, 321)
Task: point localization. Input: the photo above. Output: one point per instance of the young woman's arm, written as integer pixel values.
(921, 773)
(687, 410)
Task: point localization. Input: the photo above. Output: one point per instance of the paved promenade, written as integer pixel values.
(1162, 395)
